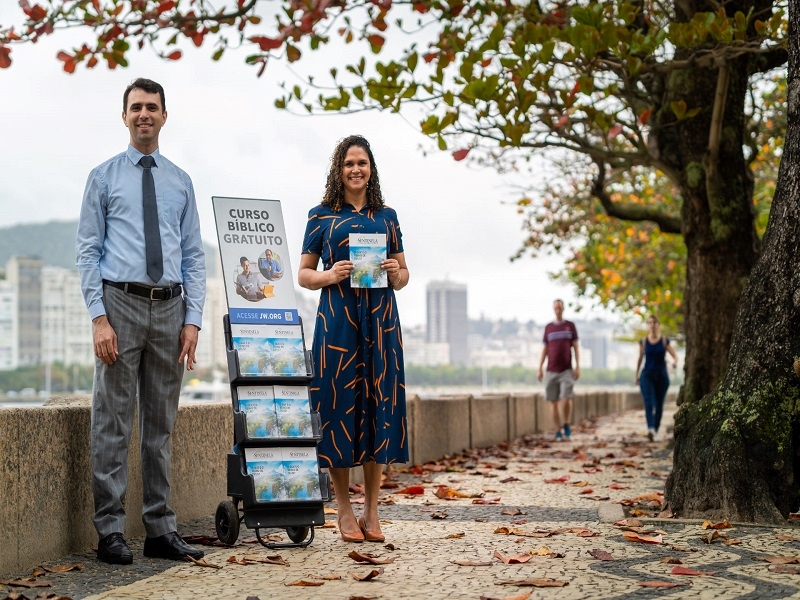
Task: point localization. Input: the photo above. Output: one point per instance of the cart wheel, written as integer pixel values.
(227, 522)
(297, 534)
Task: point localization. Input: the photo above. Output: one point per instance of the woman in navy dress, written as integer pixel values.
(359, 388)
(654, 380)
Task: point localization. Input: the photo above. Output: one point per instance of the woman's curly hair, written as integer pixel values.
(334, 187)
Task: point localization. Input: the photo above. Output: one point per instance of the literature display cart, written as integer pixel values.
(274, 480)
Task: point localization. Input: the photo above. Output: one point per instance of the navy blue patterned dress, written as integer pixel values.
(358, 348)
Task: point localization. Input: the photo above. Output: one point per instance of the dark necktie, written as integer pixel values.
(152, 235)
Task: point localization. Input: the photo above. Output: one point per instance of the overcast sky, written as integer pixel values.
(223, 129)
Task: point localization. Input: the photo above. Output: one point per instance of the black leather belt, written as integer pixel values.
(153, 293)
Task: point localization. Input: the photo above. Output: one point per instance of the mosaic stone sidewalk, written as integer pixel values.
(566, 520)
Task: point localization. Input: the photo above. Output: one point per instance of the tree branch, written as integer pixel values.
(631, 212)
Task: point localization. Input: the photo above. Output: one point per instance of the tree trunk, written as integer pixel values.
(736, 449)
(717, 216)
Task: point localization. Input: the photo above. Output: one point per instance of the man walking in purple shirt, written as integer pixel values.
(560, 341)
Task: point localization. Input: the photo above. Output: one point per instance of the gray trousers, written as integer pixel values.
(148, 337)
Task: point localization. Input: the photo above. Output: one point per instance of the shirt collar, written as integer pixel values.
(135, 156)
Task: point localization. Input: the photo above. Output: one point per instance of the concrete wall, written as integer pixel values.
(46, 502)
(45, 482)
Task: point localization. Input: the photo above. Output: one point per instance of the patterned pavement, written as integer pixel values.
(545, 519)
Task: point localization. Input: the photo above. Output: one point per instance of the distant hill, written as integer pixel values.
(54, 243)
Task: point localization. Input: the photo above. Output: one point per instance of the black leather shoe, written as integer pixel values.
(114, 550)
(170, 546)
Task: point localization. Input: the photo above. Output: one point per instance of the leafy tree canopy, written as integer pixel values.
(498, 81)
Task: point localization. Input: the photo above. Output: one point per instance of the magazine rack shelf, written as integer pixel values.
(297, 515)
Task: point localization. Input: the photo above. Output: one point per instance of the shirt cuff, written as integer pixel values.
(193, 317)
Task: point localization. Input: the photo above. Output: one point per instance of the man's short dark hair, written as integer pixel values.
(149, 86)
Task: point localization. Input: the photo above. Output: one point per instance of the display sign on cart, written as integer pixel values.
(259, 284)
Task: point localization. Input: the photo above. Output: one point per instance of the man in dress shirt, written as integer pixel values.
(270, 267)
(144, 330)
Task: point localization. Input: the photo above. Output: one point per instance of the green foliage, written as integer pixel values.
(63, 378)
(452, 376)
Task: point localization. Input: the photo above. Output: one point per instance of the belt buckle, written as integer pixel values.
(153, 290)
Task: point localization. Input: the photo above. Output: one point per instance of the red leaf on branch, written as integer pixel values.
(460, 154)
(68, 60)
(165, 6)
(421, 8)
(5, 57)
(37, 13)
(644, 116)
(430, 56)
(175, 55)
(376, 40)
(266, 43)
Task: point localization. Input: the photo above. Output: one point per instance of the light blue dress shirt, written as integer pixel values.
(110, 241)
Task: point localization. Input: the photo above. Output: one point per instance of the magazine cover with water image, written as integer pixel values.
(258, 404)
(269, 477)
(302, 473)
(266, 350)
(294, 411)
(367, 252)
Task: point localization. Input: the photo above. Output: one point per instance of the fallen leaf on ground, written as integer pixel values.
(369, 576)
(331, 577)
(562, 479)
(27, 582)
(783, 560)
(305, 583)
(329, 510)
(713, 535)
(202, 563)
(785, 569)
(252, 560)
(362, 598)
(512, 560)
(670, 560)
(472, 563)
(579, 483)
(685, 571)
(735, 542)
(455, 536)
(619, 486)
(438, 515)
(448, 493)
(545, 551)
(659, 584)
(413, 490)
(788, 538)
(512, 512)
(205, 540)
(600, 554)
(541, 582)
(486, 501)
(711, 525)
(647, 539)
(371, 559)
(524, 596)
(586, 491)
(63, 568)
